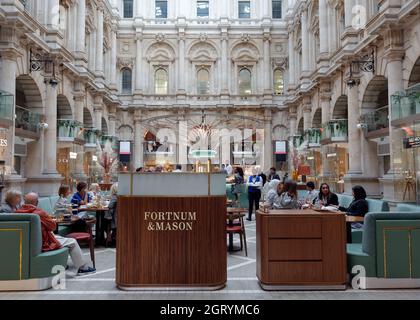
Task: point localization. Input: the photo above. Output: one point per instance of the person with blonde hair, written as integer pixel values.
(111, 214)
(12, 201)
(94, 189)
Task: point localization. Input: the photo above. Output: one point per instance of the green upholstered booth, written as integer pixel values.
(23, 265)
(243, 196)
(375, 205)
(405, 207)
(389, 252)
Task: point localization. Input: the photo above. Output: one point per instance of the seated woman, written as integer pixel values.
(359, 206)
(81, 197)
(289, 198)
(326, 198)
(94, 190)
(111, 215)
(275, 188)
(12, 201)
(62, 203)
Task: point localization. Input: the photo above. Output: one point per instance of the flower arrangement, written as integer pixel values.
(107, 161)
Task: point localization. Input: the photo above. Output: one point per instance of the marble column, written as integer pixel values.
(100, 42)
(267, 66)
(138, 140)
(354, 133)
(112, 124)
(325, 100)
(53, 15)
(348, 14)
(81, 26)
(92, 50)
(98, 111)
(139, 61)
(307, 123)
(113, 79)
(181, 65)
(323, 27)
(79, 104)
(305, 42)
(225, 85)
(50, 134)
(292, 79)
(268, 141)
(292, 122)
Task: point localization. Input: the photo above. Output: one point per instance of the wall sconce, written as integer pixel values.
(38, 62)
(365, 65)
(43, 125)
(362, 126)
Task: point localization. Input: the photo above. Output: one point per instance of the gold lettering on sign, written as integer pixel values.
(170, 221)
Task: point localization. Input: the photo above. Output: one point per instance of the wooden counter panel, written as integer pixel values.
(171, 257)
(294, 227)
(294, 249)
(301, 271)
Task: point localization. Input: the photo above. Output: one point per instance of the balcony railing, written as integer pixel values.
(69, 130)
(406, 103)
(111, 140)
(313, 137)
(91, 137)
(6, 108)
(335, 130)
(27, 120)
(296, 141)
(376, 120)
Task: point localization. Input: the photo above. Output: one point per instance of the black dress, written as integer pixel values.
(331, 200)
(357, 208)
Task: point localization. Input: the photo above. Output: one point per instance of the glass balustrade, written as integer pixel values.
(335, 130)
(406, 103)
(91, 136)
(6, 106)
(69, 129)
(376, 120)
(27, 120)
(313, 137)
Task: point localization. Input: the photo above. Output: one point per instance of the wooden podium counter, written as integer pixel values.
(171, 231)
(301, 249)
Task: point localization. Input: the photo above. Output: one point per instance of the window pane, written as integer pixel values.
(162, 9)
(277, 9)
(202, 8)
(128, 8)
(203, 83)
(161, 81)
(278, 82)
(244, 9)
(126, 81)
(244, 82)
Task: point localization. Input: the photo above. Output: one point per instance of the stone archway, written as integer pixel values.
(64, 110)
(340, 108)
(87, 119)
(317, 119)
(104, 126)
(300, 127)
(375, 104)
(415, 74)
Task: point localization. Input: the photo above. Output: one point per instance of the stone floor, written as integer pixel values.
(242, 284)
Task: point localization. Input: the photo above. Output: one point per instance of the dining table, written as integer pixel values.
(99, 229)
(233, 214)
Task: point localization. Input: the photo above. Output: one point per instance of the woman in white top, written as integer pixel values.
(271, 192)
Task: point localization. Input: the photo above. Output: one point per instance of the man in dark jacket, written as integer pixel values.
(273, 175)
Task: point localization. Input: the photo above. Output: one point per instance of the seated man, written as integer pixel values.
(50, 241)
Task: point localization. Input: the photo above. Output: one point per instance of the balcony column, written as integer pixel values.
(307, 108)
(354, 134)
(292, 79)
(292, 122)
(268, 141)
(268, 91)
(100, 42)
(181, 71)
(81, 27)
(348, 14)
(8, 69)
(50, 134)
(53, 14)
(225, 76)
(138, 140)
(98, 110)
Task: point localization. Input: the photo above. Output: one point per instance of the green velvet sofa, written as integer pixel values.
(389, 252)
(23, 265)
(405, 207)
(375, 205)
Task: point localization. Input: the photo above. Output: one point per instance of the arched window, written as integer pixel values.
(128, 8)
(203, 81)
(245, 81)
(278, 82)
(161, 81)
(126, 76)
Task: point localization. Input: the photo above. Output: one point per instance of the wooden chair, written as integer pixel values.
(237, 228)
(86, 238)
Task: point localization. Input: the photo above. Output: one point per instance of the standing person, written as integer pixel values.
(223, 169)
(254, 184)
(325, 197)
(229, 169)
(238, 182)
(273, 175)
(12, 201)
(288, 199)
(178, 168)
(51, 242)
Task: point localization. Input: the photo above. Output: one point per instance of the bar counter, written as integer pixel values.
(171, 232)
(301, 250)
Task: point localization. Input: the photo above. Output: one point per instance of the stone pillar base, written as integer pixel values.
(394, 186)
(45, 185)
(13, 181)
(370, 184)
